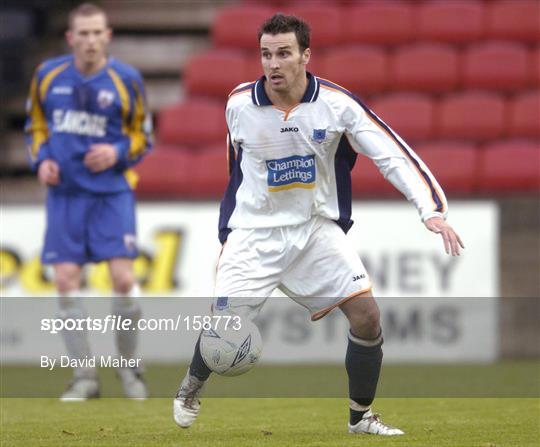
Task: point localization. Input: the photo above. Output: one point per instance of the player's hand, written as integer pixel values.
(49, 172)
(452, 241)
(100, 157)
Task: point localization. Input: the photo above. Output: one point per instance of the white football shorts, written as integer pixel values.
(312, 263)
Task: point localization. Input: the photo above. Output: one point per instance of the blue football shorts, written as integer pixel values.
(83, 227)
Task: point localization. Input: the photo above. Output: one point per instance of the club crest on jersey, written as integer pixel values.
(105, 98)
(222, 302)
(319, 135)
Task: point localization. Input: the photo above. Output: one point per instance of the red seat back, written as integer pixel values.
(360, 69)
(386, 22)
(409, 114)
(510, 166)
(424, 66)
(323, 19)
(524, 112)
(237, 26)
(166, 173)
(496, 65)
(192, 123)
(471, 115)
(514, 19)
(450, 21)
(534, 77)
(215, 74)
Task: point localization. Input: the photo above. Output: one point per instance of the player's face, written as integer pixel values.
(89, 38)
(283, 64)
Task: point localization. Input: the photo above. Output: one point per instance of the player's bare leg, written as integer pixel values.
(84, 384)
(126, 304)
(363, 362)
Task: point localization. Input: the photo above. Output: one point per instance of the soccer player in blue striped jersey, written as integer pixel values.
(293, 140)
(87, 125)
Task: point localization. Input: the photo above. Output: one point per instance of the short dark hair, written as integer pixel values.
(280, 23)
(85, 10)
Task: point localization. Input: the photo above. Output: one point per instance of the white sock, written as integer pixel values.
(71, 306)
(128, 306)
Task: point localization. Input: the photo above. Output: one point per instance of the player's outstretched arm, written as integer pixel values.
(452, 241)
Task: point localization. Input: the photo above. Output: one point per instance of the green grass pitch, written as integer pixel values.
(239, 422)
(436, 405)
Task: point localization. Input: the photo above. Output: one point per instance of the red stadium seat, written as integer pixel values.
(514, 19)
(496, 65)
(192, 123)
(450, 21)
(409, 114)
(424, 66)
(215, 73)
(471, 115)
(237, 26)
(525, 115)
(535, 67)
(166, 173)
(360, 69)
(210, 172)
(324, 20)
(272, 3)
(510, 166)
(454, 164)
(388, 22)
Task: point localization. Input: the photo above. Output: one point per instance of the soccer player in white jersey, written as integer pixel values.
(293, 140)
(87, 126)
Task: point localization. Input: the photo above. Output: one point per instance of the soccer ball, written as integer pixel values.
(231, 352)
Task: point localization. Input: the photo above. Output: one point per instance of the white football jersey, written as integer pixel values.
(287, 166)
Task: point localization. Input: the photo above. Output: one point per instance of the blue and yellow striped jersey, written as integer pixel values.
(67, 112)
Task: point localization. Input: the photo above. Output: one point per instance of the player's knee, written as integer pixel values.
(67, 279)
(367, 324)
(123, 282)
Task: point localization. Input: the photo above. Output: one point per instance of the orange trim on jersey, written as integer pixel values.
(243, 89)
(286, 111)
(292, 186)
(318, 315)
(239, 93)
(332, 82)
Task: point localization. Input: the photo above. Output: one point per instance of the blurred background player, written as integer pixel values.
(87, 125)
(293, 139)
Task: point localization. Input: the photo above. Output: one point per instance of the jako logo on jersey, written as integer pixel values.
(291, 172)
(289, 129)
(80, 123)
(358, 277)
(319, 135)
(105, 98)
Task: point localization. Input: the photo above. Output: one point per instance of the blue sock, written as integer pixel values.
(197, 367)
(363, 363)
